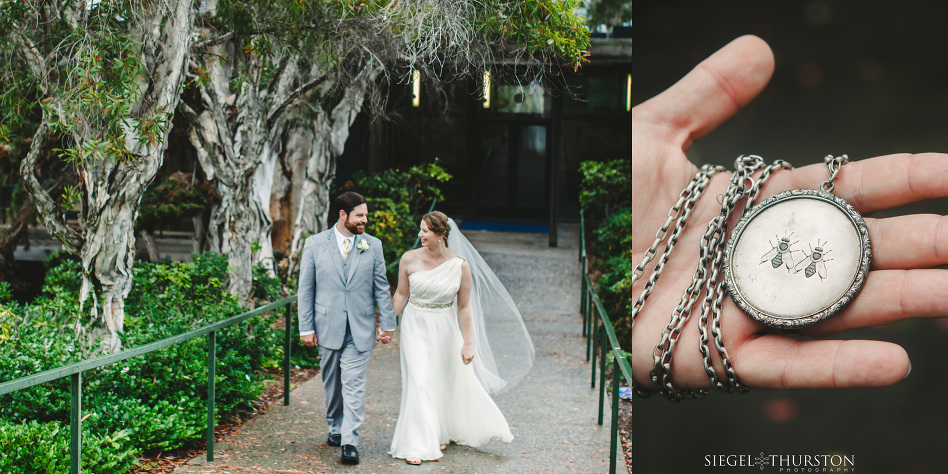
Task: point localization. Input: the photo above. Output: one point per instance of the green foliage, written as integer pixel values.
(18, 102)
(44, 447)
(542, 26)
(606, 199)
(174, 199)
(8, 323)
(395, 226)
(397, 200)
(6, 293)
(265, 286)
(614, 235)
(605, 186)
(153, 402)
(417, 187)
(614, 247)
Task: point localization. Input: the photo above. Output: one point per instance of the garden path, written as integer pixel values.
(552, 411)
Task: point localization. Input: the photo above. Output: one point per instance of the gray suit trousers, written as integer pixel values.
(344, 385)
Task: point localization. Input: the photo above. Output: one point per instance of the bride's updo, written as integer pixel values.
(438, 223)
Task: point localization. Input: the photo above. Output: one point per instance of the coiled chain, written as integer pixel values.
(707, 278)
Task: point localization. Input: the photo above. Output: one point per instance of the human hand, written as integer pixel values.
(309, 340)
(384, 336)
(467, 353)
(902, 282)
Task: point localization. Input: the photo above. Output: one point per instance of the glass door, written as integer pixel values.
(511, 171)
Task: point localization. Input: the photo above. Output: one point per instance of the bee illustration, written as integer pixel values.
(815, 262)
(780, 254)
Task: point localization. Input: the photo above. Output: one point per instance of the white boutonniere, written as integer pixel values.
(363, 245)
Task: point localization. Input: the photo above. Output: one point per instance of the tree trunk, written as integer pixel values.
(237, 138)
(240, 228)
(151, 248)
(112, 189)
(312, 154)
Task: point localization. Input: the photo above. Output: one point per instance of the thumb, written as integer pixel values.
(714, 90)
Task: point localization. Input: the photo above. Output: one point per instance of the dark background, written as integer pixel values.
(861, 78)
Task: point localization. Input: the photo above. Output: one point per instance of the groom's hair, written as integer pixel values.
(346, 202)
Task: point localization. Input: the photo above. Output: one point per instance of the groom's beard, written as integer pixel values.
(355, 227)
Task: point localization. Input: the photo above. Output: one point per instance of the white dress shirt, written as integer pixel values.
(341, 241)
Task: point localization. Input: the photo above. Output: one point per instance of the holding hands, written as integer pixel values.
(903, 282)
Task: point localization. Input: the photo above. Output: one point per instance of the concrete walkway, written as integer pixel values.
(552, 411)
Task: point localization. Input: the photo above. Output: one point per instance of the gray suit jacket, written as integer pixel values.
(328, 298)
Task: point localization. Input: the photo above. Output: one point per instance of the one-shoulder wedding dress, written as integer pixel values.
(442, 399)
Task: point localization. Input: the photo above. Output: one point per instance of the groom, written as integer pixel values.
(342, 279)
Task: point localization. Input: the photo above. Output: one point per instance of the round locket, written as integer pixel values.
(797, 258)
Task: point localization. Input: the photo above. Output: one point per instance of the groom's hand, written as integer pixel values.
(309, 340)
(384, 336)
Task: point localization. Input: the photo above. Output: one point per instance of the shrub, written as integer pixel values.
(614, 235)
(6, 292)
(34, 447)
(417, 187)
(396, 202)
(174, 200)
(605, 187)
(605, 197)
(152, 402)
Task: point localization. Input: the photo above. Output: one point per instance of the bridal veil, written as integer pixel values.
(503, 350)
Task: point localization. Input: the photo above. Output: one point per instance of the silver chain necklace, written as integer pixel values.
(762, 262)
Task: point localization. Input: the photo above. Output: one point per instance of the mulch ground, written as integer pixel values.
(168, 461)
(625, 430)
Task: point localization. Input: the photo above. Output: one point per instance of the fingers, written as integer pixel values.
(714, 90)
(876, 183)
(889, 296)
(308, 340)
(782, 362)
(906, 242)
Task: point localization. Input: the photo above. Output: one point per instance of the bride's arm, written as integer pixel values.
(400, 298)
(464, 312)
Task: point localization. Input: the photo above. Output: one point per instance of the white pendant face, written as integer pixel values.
(797, 258)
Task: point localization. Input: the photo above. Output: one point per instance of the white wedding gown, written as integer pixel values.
(442, 399)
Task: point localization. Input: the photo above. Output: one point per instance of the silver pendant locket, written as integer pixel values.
(797, 258)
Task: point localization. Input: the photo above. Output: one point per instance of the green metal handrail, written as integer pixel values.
(597, 328)
(75, 372)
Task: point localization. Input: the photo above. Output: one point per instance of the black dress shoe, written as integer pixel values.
(350, 455)
(334, 440)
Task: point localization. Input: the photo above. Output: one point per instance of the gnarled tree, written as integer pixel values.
(107, 76)
(320, 63)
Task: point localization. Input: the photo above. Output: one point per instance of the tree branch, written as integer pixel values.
(279, 109)
(33, 58)
(53, 218)
(214, 41)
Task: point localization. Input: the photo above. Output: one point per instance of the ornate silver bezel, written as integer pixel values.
(844, 299)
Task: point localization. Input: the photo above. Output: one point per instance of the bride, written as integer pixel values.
(451, 307)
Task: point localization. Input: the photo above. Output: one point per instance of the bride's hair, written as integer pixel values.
(438, 223)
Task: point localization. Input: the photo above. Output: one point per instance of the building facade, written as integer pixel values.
(513, 146)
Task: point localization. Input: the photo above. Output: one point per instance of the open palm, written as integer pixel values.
(901, 284)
